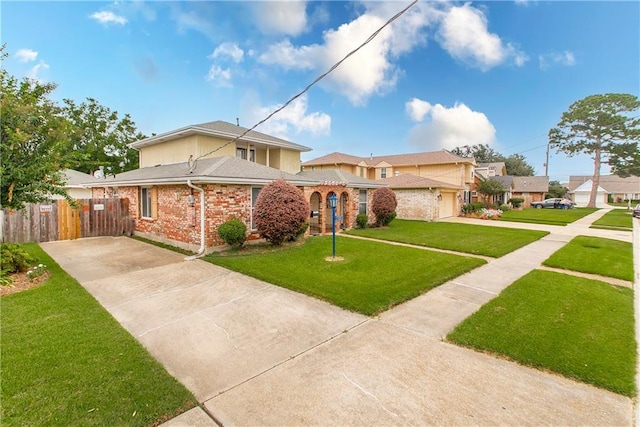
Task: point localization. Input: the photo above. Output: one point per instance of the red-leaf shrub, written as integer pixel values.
(384, 205)
(281, 212)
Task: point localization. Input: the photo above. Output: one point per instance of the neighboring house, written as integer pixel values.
(491, 169)
(423, 198)
(611, 187)
(180, 198)
(530, 188)
(74, 185)
(455, 171)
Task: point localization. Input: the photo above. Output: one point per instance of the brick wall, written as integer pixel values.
(420, 204)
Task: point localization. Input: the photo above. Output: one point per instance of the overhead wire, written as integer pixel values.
(310, 85)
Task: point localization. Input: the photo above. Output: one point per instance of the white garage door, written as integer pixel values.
(447, 205)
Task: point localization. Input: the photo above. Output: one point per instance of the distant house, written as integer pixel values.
(611, 187)
(530, 188)
(75, 184)
(422, 198)
(491, 169)
(193, 179)
(454, 173)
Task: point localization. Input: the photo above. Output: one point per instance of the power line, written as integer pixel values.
(322, 76)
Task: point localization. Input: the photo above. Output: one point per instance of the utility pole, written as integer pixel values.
(546, 163)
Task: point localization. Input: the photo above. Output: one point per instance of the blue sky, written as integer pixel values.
(445, 74)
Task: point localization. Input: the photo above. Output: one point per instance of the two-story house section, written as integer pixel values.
(218, 139)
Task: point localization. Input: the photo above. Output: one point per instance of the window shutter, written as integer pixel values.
(154, 202)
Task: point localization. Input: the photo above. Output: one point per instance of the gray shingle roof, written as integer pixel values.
(531, 184)
(222, 130)
(611, 183)
(506, 180)
(223, 170)
(76, 179)
(334, 176)
(407, 180)
(425, 158)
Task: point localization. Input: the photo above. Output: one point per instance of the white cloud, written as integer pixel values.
(522, 2)
(26, 55)
(465, 35)
(565, 58)
(230, 50)
(107, 17)
(293, 119)
(448, 127)
(417, 109)
(281, 17)
(219, 76)
(36, 70)
(192, 20)
(369, 71)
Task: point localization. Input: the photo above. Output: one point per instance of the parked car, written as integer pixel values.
(636, 211)
(555, 203)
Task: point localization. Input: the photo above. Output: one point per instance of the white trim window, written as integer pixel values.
(255, 191)
(242, 154)
(362, 202)
(145, 202)
(383, 172)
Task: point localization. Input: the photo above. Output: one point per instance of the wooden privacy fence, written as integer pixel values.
(43, 222)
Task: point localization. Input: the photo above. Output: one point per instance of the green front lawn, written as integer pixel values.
(579, 328)
(67, 362)
(546, 216)
(372, 278)
(595, 255)
(616, 219)
(473, 239)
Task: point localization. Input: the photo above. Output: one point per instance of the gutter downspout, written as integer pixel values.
(202, 237)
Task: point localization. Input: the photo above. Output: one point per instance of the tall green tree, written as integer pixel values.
(489, 188)
(625, 160)
(32, 137)
(603, 126)
(556, 190)
(517, 166)
(98, 137)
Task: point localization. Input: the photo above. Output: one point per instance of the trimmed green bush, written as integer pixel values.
(505, 207)
(362, 220)
(281, 211)
(233, 232)
(14, 259)
(516, 201)
(384, 205)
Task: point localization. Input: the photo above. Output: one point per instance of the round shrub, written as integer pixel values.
(516, 201)
(384, 205)
(14, 259)
(280, 212)
(362, 220)
(504, 207)
(233, 232)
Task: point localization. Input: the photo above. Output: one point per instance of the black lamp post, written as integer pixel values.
(333, 202)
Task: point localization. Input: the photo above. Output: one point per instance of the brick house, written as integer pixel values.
(422, 198)
(456, 172)
(611, 187)
(193, 179)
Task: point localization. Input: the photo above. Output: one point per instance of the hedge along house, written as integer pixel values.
(193, 179)
(354, 195)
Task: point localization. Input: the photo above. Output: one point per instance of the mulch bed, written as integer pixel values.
(22, 282)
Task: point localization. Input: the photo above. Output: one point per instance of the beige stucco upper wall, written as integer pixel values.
(451, 173)
(179, 150)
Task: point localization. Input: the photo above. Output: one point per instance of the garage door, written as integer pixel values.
(447, 205)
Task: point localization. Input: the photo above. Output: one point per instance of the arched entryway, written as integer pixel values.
(328, 212)
(343, 209)
(315, 226)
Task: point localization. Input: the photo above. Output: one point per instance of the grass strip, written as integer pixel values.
(466, 238)
(66, 361)
(580, 328)
(546, 216)
(595, 255)
(372, 278)
(615, 219)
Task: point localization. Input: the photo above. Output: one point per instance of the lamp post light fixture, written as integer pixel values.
(333, 202)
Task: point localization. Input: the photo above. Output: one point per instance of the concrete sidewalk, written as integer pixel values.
(256, 354)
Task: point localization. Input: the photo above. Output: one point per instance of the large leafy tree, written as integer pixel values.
(603, 126)
(516, 164)
(489, 188)
(32, 138)
(98, 137)
(556, 190)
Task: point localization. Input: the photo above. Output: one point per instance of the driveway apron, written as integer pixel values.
(211, 328)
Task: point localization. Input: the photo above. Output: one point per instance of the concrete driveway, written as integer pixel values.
(211, 328)
(256, 354)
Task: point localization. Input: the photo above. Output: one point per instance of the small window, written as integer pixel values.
(255, 191)
(474, 193)
(362, 205)
(241, 153)
(383, 172)
(145, 202)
